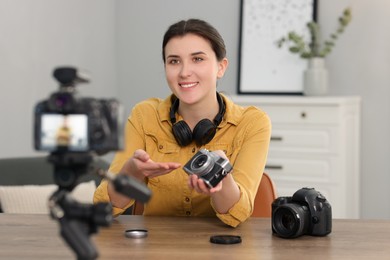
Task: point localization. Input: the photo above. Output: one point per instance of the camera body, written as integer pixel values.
(209, 166)
(307, 212)
(66, 123)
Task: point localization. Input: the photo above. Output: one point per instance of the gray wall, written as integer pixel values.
(120, 43)
(37, 36)
(360, 65)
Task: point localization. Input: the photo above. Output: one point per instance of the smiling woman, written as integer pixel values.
(163, 135)
(191, 65)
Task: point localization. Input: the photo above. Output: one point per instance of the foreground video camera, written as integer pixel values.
(307, 212)
(209, 166)
(65, 122)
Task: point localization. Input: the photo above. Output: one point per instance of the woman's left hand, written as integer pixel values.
(196, 183)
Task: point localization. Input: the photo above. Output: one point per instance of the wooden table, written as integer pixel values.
(37, 237)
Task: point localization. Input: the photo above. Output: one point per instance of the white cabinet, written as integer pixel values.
(315, 143)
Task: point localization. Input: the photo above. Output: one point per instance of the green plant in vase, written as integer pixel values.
(315, 77)
(314, 48)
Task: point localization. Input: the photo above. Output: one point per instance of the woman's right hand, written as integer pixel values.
(140, 166)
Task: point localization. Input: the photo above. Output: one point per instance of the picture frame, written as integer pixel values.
(264, 68)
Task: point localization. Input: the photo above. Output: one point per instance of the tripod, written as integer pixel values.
(80, 220)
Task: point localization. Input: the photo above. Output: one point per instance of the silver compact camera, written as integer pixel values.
(209, 166)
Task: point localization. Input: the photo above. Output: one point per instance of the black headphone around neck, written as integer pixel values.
(204, 131)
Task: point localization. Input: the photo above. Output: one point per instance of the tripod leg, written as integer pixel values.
(76, 234)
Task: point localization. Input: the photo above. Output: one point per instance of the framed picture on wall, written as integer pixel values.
(264, 68)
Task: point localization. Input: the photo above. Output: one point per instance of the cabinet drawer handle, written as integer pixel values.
(276, 138)
(274, 167)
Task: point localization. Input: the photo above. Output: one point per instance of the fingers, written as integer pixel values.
(140, 166)
(202, 187)
(216, 188)
(141, 155)
(169, 165)
(192, 181)
(162, 166)
(151, 169)
(221, 153)
(157, 169)
(196, 183)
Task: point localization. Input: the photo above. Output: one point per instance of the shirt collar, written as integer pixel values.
(232, 114)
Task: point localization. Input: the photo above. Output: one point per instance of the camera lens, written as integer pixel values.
(291, 220)
(200, 161)
(201, 164)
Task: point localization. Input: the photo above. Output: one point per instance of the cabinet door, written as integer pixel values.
(302, 114)
(309, 139)
(312, 169)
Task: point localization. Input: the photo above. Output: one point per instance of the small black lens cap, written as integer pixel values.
(225, 239)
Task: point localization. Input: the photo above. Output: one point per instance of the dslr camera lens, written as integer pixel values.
(291, 221)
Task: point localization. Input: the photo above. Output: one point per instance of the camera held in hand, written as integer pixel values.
(66, 123)
(307, 212)
(209, 166)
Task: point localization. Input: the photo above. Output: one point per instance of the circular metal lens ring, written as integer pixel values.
(202, 164)
(136, 233)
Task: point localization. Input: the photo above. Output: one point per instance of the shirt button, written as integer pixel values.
(188, 213)
(160, 147)
(193, 150)
(187, 199)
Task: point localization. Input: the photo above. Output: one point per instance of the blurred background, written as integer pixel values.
(119, 43)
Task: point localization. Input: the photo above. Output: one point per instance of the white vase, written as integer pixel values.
(315, 80)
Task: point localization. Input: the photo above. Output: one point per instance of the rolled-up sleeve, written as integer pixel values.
(248, 164)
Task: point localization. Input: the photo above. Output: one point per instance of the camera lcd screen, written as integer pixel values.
(69, 132)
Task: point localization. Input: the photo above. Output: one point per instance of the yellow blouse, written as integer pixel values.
(244, 135)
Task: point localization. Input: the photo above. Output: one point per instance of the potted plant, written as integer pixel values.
(314, 48)
(315, 77)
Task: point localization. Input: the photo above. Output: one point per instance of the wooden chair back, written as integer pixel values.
(265, 195)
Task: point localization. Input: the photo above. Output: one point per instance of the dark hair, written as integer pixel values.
(200, 28)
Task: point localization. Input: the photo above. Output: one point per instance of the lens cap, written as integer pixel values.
(225, 239)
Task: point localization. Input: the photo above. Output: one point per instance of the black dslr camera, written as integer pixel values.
(209, 166)
(307, 212)
(66, 123)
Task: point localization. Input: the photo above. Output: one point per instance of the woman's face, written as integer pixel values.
(192, 68)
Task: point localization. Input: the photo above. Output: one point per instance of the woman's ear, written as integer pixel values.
(222, 66)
